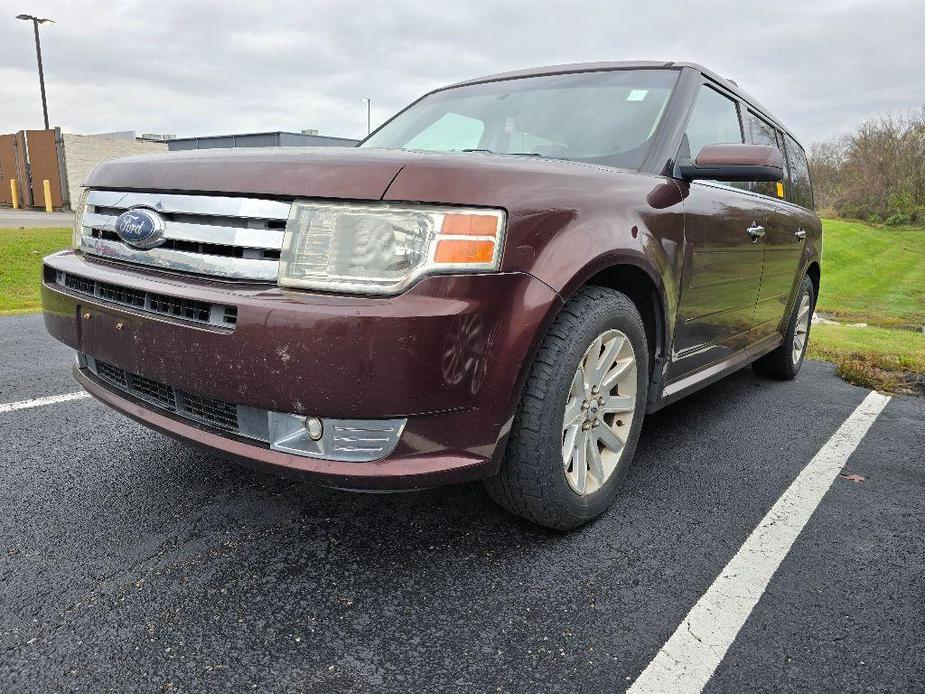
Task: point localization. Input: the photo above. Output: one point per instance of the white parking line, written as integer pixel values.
(39, 402)
(688, 659)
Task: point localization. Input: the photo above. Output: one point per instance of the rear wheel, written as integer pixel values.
(576, 429)
(784, 362)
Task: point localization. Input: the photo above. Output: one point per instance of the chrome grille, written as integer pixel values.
(151, 302)
(219, 236)
(198, 247)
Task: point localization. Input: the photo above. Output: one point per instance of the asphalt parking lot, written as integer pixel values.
(132, 562)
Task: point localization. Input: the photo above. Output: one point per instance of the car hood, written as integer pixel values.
(329, 172)
(340, 173)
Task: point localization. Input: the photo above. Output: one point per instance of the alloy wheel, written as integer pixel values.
(599, 412)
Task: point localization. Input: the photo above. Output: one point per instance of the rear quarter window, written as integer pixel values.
(801, 188)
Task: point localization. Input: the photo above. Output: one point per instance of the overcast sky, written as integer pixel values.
(194, 67)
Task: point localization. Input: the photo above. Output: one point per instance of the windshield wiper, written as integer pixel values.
(507, 154)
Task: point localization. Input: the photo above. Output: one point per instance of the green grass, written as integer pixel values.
(21, 253)
(897, 348)
(879, 358)
(873, 275)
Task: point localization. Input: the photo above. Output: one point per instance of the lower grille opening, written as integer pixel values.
(152, 302)
(346, 440)
(119, 295)
(112, 374)
(220, 413)
(152, 391)
(217, 413)
(181, 308)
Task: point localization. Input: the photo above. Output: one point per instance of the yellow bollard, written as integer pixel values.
(46, 187)
(14, 190)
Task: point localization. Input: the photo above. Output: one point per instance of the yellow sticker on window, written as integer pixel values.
(780, 189)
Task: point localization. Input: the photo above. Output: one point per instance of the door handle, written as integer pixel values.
(800, 234)
(756, 231)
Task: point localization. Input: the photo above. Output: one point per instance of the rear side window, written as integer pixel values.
(714, 121)
(763, 133)
(801, 188)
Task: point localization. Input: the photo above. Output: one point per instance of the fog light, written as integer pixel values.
(346, 440)
(314, 427)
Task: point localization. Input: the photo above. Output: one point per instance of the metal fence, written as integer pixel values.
(31, 162)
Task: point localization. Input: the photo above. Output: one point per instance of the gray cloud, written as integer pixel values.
(206, 67)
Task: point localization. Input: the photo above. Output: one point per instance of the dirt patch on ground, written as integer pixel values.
(861, 370)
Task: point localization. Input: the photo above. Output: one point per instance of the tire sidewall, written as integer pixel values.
(619, 314)
(806, 286)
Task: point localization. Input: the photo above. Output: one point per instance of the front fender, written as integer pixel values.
(630, 231)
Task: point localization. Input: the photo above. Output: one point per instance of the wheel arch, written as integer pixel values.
(643, 285)
(814, 272)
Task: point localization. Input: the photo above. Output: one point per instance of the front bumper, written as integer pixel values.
(448, 355)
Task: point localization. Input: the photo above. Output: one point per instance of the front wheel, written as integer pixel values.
(576, 429)
(784, 362)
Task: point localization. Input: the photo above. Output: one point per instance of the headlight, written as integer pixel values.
(79, 216)
(382, 249)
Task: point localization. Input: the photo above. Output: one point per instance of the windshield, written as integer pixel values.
(606, 117)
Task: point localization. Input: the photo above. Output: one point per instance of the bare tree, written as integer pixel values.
(876, 172)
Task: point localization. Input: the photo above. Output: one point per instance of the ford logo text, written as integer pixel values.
(141, 228)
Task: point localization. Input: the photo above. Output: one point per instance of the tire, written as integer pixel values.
(784, 362)
(535, 481)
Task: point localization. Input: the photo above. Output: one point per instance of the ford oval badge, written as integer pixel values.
(141, 228)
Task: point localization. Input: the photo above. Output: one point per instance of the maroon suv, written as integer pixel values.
(498, 283)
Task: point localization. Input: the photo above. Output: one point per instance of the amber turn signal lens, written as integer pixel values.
(464, 252)
(470, 225)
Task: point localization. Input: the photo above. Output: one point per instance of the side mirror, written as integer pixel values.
(733, 163)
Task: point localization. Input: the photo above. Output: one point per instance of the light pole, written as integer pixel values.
(368, 119)
(38, 54)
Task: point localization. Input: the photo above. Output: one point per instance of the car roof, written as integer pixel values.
(630, 64)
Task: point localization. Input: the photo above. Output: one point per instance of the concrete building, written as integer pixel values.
(64, 159)
(306, 138)
(132, 135)
(82, 152)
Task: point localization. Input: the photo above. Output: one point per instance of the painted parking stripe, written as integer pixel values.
(40, 402)
(688, 659)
